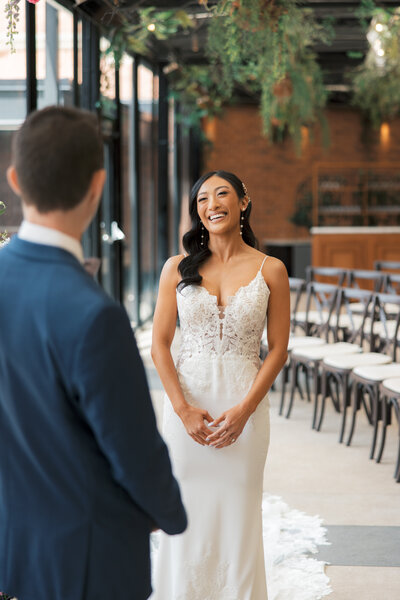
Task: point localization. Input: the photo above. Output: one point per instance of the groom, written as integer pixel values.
(84, 474)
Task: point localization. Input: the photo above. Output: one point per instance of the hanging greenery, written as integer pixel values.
(136, 32)
(265, 47)
(376, 82)
(197, 90)
(11, 10)
(3, 234)
(140, 27)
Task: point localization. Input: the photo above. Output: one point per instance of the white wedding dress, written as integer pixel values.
(220, 556)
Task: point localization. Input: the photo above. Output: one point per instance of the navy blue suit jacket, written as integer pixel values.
(84, 472)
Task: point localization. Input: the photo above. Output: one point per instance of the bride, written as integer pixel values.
(216, 422)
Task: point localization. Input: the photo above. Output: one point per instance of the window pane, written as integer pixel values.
(12, 112)
(129, 244)
(147, 205)
(55, 54)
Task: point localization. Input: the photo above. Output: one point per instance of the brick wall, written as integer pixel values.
(273, 172)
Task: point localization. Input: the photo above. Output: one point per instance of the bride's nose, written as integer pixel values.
(213, 202)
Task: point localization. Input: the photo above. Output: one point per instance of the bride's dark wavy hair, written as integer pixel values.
(196, 253)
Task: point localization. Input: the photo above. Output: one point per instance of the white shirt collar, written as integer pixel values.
(38, 234)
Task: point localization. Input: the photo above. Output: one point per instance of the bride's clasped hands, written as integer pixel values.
(230, 425)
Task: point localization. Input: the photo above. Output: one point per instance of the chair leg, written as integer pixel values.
(346, 402)
(308, 388)
(386, 407)
(397, 469)
(335, 395)
(375, 420)
(354, 394)
(368, 410)
(285, 374)
(324, 385)
(293, 385)
(315, 386)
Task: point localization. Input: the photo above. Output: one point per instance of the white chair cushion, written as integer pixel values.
(379, 329)
(378, 373)
(393, 383)
(357, 360)
(305, 340)
(392, 308)
(320, 352)
(357, 307)
(313, 316)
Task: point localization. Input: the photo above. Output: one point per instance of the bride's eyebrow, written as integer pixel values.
(221, 187)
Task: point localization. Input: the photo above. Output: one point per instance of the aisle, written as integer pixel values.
(357, 499)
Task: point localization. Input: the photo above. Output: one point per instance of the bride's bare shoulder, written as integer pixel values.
(170, 268)
(274, 270)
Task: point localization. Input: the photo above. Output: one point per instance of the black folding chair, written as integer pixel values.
(324, 297)
(390, 394)
(365, 380)
(297, 290)
(336, 370)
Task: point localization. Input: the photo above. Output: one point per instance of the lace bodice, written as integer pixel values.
(207, 328)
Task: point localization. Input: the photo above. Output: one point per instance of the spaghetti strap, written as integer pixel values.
(262, 264)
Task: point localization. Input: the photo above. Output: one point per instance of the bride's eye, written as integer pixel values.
(221, 193)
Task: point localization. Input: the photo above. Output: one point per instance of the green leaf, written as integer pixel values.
(184, 19)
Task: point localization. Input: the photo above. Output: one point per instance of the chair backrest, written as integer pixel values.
(322, 301)
(387, 317)
(392, 283)
(357, 325)
(387, 265)
(297, 288)
(333, 273)
(361, 278)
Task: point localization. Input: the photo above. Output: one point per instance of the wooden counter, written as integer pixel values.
(354, 247)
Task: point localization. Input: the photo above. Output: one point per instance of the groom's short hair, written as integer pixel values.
(55, 152)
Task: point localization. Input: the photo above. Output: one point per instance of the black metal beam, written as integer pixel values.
(89, 98)
(117, 247)
(177, 191)
(135, 206)
(162, 165)
(31, 82)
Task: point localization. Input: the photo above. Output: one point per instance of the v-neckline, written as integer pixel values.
(230, 298)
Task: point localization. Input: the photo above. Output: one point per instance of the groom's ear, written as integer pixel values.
(12, 179)
(96, 186)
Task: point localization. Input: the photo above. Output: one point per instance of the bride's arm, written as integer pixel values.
(278, 327)
(164, 325)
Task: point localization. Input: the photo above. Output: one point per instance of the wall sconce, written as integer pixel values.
(305, 137)
(385, 135)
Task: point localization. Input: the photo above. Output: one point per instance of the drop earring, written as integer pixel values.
(241, 222)
(202, 236)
